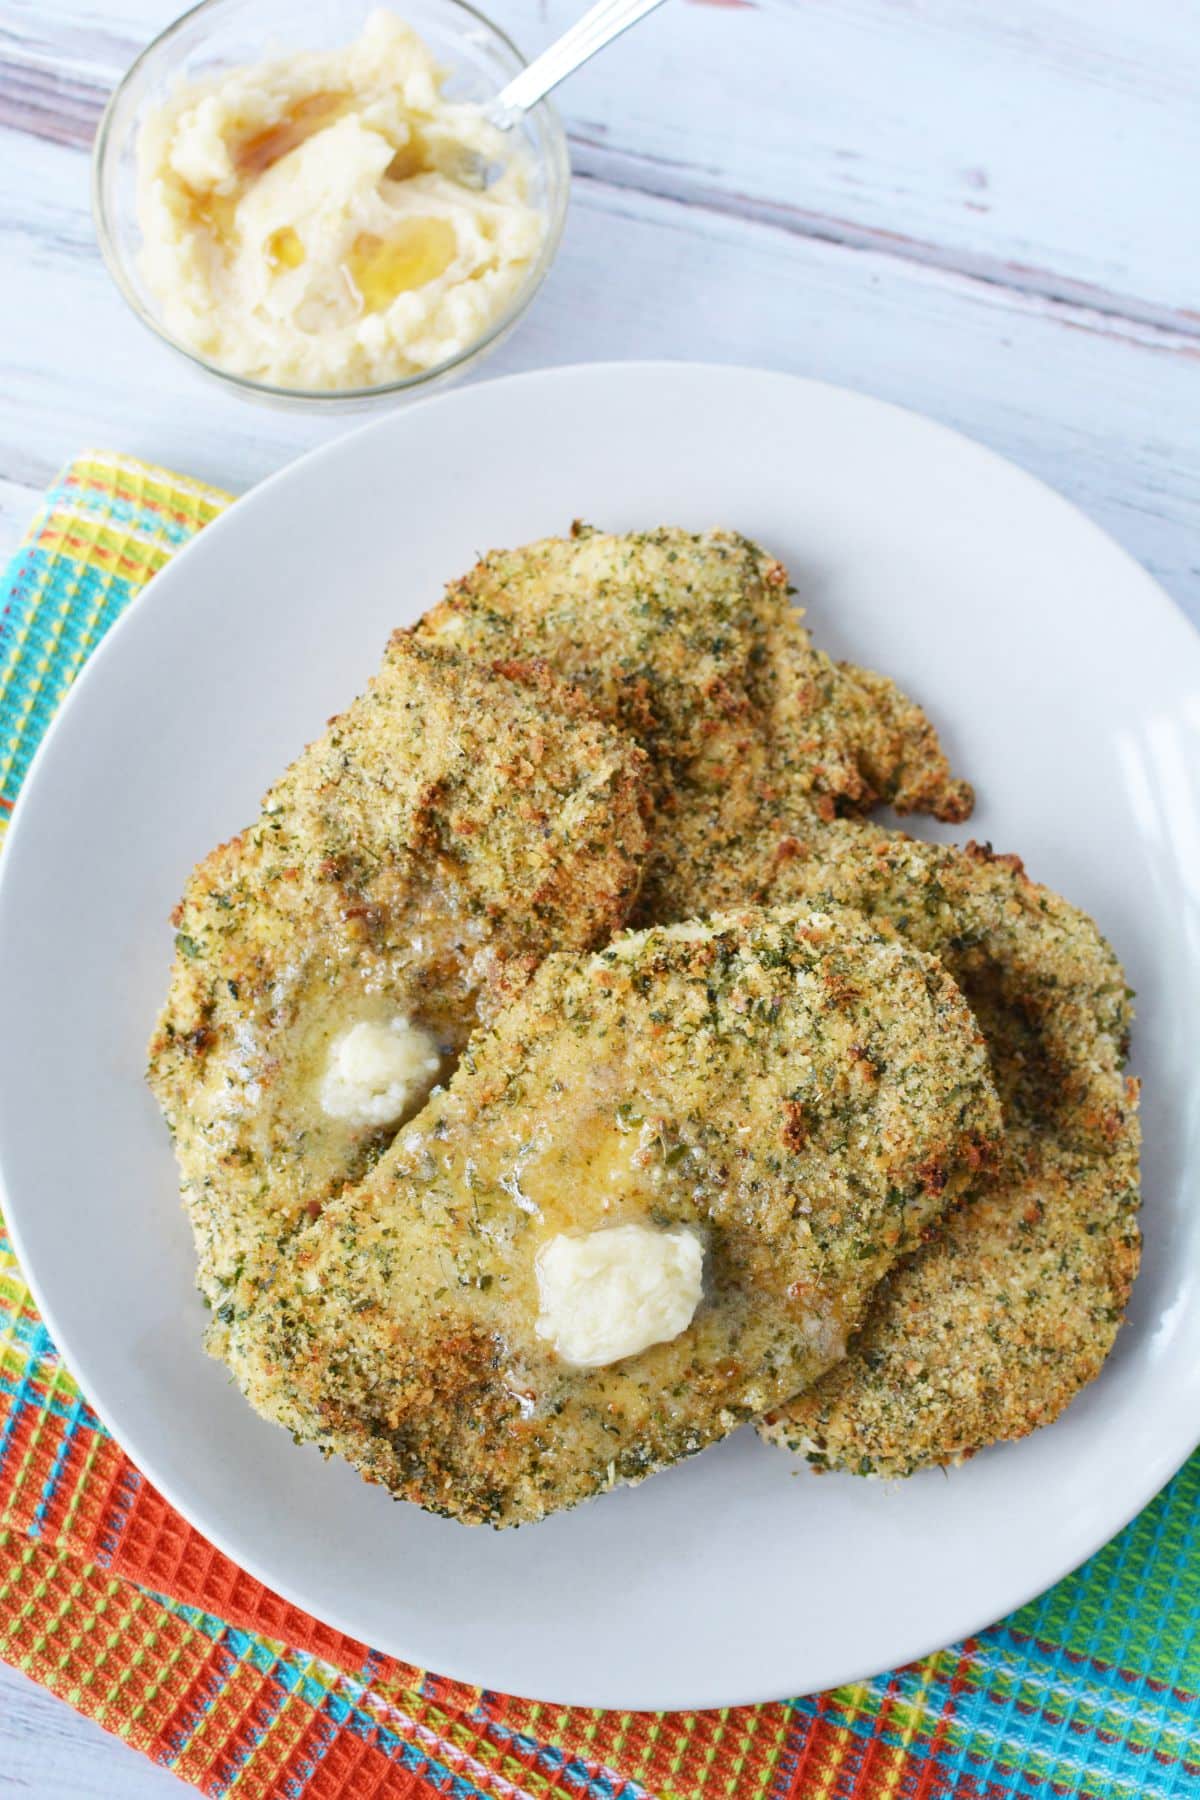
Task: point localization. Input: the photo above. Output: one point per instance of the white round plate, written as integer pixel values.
(1069, 690)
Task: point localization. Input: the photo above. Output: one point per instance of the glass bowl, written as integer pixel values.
(220, 34)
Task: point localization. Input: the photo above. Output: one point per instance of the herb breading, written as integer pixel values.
(758, 745)
(454, 817)
(804, 1087)
(690, 642)
(994, 1325)
(806, 1092)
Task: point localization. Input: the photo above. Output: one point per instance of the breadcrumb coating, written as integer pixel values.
(453, 819)
(992, 1327)
(804, 1091)
(691, 643)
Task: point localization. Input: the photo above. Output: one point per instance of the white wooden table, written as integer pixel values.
(987, 211)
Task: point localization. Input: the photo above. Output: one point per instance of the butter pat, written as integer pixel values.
(376, 1074)
(616, 1291)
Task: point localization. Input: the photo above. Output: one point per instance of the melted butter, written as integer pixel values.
(417, 252)
(256, 154)
(216, 214)
(284, 249)
(411, 159)
(615, 1292)
(590, 1170)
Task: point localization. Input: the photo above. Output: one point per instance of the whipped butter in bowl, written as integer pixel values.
(327, 222)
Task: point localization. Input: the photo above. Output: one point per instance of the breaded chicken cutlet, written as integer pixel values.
(330, 959)
(994, 1326)
(757, 745)
(797, 1093)
(691, 644)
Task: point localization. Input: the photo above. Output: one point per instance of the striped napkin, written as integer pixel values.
(112, 1601)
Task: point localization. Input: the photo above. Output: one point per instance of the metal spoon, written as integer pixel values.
(598, 27)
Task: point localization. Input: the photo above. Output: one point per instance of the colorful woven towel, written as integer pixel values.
(108, 1598)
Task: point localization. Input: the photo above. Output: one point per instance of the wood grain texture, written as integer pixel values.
(983, 212)
(1102, 407)
(48, 1752)
(1050, 145)
(17, 501)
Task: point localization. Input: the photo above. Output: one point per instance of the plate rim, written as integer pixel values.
(465, 1669)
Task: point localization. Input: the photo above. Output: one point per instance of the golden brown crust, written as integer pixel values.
(650, 1083)
(756, 761)
(992, 1327)
(472, 804)
(900, 752)
(691, 643)
(451, 819)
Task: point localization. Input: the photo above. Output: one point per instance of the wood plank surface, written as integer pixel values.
(1051, 145)
(1101, 406)
(983, 212)
(49, 1752)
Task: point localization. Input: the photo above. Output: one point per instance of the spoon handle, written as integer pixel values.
(598, 27)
